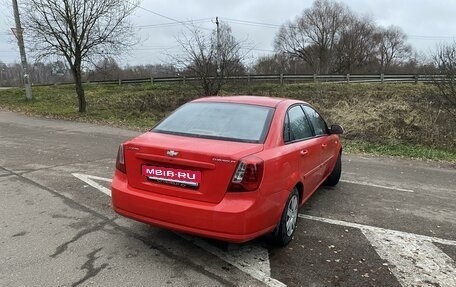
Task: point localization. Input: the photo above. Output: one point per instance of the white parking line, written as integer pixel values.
(414, 262)
(89, 180)
(377, 185)
(252, 260)
(412, 258)
(377, 229)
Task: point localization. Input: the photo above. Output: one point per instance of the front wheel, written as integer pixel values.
(287, 225)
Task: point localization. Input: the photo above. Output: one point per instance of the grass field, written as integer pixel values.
(388, 119)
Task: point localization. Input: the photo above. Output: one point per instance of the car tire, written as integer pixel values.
(287, 225)
(334, 177)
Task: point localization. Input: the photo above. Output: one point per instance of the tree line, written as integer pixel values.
(330, 38)
(326, 38)
(45, 73)
(78, 40)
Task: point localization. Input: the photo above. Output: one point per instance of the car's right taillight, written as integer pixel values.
(248, 174)
(120, 161)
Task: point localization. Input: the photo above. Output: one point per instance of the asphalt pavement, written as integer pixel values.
(389, 222)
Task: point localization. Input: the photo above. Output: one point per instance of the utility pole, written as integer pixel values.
(20, 43)
(218, 45)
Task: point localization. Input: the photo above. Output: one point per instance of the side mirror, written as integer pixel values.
(336, 130)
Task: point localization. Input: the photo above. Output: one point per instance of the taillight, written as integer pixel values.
(248, 174)
(120, 161)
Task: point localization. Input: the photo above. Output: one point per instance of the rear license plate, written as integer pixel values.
(175, 176)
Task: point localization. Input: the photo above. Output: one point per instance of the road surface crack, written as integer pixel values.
(63, 247)
(89, 265)
(128, 232)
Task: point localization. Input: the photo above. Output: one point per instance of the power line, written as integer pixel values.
(174, 23)
(161, 15)
(155, 48)
(427, 37)
(262, 50)
(184, 23)
(251, 23)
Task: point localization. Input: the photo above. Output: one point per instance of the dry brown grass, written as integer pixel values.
(378, 113)
(385, 114)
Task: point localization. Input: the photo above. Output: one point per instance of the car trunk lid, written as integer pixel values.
(186, 167)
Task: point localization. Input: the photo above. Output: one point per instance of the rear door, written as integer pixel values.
(298, 134)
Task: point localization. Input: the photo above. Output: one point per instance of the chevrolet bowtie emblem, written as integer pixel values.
(172, 153)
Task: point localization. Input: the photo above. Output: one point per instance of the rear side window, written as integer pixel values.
(227, 121)
(317, 121)
(297, 126)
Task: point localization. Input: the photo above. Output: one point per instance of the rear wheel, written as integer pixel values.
(334, 177)
(287, 225)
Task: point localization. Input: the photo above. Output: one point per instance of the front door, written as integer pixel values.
(328, 144)
(306, 148)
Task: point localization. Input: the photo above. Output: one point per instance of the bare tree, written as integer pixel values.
(279, 64)
(392, 47)
(81, 31)
(209, 58)
(107, 69)
(314, 35)
(147, 71)
(444, 60)
(356, 47)
(274, 64)
(3, 74)
(10, 75)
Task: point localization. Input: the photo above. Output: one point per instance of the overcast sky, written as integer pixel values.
(426, 22)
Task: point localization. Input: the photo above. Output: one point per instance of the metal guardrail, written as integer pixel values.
(283, 78)
(287, 78)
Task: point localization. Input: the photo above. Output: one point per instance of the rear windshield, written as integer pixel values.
(226, 121)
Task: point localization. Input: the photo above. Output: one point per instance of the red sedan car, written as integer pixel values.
(229, 168)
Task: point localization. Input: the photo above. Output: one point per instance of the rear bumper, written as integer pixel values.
(239, 217)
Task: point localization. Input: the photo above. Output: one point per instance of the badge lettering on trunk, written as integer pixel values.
(172, 153)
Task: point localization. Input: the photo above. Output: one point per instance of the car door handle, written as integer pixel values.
(304, 152)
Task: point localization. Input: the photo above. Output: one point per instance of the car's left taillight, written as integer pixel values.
(248, 174)
(120, 161)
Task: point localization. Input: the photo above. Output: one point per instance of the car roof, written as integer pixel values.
(252, 100)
